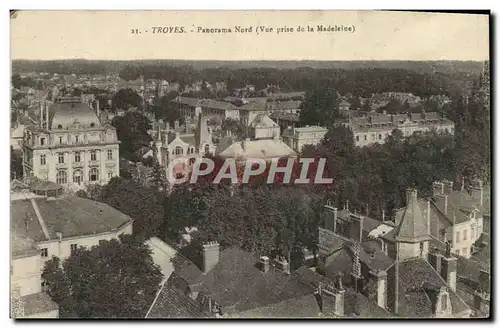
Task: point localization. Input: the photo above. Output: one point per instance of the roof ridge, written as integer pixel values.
(156, 298)
(40, 219)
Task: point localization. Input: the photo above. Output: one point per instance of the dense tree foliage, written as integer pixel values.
(116, 279)
(167, 110)
(16, 164)
(132, 130)
(141, 203)
(320, 107)
(125, 99)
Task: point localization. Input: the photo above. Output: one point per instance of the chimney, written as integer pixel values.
(442, 202)
(339, 298)
(381, 279)
(356, 269)
(437, 188)
(383, 215)
(448, 187)
(435, 259)
(264, 264)
(477, 189)
(411, 196)
(449, 268)
(210, 256)
(282, 264)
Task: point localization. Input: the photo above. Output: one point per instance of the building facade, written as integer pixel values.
(297, 138)
(376, 128)
(71, 146)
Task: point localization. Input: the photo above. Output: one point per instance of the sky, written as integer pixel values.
(368, 35)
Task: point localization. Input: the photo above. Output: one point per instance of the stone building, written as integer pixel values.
(71, 146)
(297, 138)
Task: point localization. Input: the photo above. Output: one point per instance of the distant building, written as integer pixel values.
(191, 108)
(375, 128)
(297, 138)
(71, 146)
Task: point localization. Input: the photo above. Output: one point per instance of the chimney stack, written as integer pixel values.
(264, 264)
(210, 256)
(381, 279)
(442, 202)
(477, 189)
(435, 258)
(339, 297)
(437, 188)
(449, 268)
(448, 187)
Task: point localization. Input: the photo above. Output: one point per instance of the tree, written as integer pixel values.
(132, 130)
(115, 279)
(16, 164)
(141, 203)
(166, 109)
(126, 99)
(320, 107)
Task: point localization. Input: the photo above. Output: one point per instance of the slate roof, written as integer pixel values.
(237, 283)
(38, 303)
(171, 303)
(414, 300)
(262, 148)
(70, 215)
(412, 227)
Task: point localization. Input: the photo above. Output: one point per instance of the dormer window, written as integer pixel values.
(92, 125)
(42, 141)
(59, 126)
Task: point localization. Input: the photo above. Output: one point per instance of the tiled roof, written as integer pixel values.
(171, 303)
(70, 215)
(264, 121)
(237, 283)
(262, 148)
(38, 303)
(285, 116)
(413, 298)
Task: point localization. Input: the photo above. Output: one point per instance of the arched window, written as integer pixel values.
(92, 125)
(59, 126)
(207, 149)
(94, 174)
(110, 175)
(78, 177)
(61, 177)
(178, 150)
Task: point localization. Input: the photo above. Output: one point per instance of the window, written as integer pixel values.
(110, 154)
(77, 157)
(42, 141)
(357, 138)
(43, 160)
(76, 139)
(45, 252)
(61, 177)
(94, 174)
(73, 247)
(60, 140)
(457, 237)
(365, 137)
(78, 177)
(207, 149)
(61, 158)
(93, 155)
(59, 126)
(110, 174)
(92, 125)
(178, 150)
(380, 136)
(472, 233)
(464, 235)
(421, 249)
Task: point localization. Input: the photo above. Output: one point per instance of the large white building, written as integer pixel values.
(297, 138)
(376, 128)
(71, 146)
(43, 227)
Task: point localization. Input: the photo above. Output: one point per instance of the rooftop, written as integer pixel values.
(171, 303)
(72, 216)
